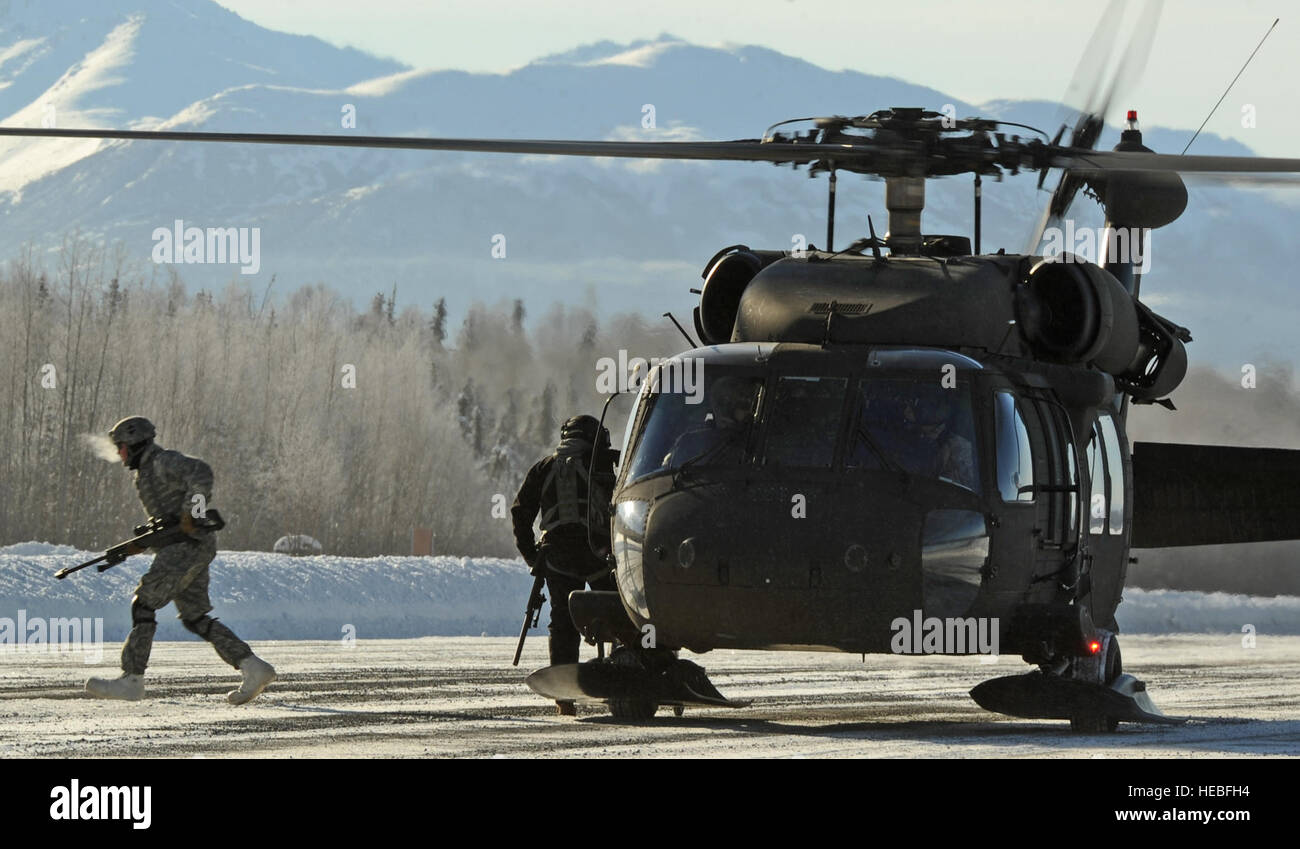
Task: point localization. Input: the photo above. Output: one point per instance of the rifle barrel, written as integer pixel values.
(534, 609)
(65, 572)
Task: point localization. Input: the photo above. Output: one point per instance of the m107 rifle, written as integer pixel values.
(155, 533)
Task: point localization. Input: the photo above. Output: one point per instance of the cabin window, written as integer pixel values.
(1097, 474)
(1015, 461)
(915, 426)
(1115, 473)
(1062, 470)
(803, 421)
(1074, 482)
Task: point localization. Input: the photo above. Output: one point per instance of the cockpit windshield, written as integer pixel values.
(920, 427)
(903, 424)
(714, 431)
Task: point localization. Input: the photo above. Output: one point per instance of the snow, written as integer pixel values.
(459, 697)
(26, 160)
(276, 596)
(643, 56)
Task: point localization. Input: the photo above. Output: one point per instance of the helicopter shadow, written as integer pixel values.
(1219, 735)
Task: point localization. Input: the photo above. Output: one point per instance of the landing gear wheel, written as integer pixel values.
(1112, 668)
(633, 709)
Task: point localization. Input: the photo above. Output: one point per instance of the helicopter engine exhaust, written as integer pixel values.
(1075, 312)
(725, 279)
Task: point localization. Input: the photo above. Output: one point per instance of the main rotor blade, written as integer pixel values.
(1218, 178)
(744, 150)
(861, 156)
(1099, 162)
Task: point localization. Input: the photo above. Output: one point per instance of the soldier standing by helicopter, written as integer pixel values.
(570, 489)
(170, 484)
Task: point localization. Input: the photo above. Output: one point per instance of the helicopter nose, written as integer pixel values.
(759, 566)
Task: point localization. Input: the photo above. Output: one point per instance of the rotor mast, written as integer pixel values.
(905, 200)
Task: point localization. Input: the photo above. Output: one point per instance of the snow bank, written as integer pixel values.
(1183, 611)
(275, 596)
(268, 596)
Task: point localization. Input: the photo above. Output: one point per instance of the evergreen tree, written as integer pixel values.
(439, 323)
(517, 317)
(543, 430)
(465, 407)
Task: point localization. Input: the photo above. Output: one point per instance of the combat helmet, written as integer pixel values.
(136, 433)
(585, 428)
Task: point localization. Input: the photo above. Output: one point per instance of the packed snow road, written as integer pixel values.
(458, 696)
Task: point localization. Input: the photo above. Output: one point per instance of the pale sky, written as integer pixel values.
(977, 51)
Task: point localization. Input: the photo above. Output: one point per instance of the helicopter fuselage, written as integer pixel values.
(815, 496)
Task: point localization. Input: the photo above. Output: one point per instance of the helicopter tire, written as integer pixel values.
(637, 710)
(1114, 667)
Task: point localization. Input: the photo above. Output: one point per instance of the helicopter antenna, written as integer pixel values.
(1230, 85)
(978, 193)
(875, 243)
(830, 212)
(681, 329)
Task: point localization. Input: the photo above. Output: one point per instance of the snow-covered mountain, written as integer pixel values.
(634, 234)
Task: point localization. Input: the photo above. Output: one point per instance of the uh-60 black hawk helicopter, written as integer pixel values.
(906, 430)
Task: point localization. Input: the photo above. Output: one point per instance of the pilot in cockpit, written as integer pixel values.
(720, 439)
(939, 450)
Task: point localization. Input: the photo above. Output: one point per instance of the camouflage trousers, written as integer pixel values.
(179, 573)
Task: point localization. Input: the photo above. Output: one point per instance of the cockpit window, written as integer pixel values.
(803, 422)
(713, 432)
(1015, 462)
(916, 426)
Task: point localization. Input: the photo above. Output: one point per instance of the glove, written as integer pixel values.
(133, 549)
(187, 523)
(537, 566)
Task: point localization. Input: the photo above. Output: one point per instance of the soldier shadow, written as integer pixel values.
(1257, 736)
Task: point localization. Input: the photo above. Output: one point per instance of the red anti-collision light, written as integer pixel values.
(1132, 115)
(1094, 646)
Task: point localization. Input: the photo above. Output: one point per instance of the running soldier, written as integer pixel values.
(171, 486)
(575, 527)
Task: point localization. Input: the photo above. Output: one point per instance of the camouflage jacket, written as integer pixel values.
(167, 482)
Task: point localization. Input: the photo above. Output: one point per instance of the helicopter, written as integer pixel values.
(907, 445)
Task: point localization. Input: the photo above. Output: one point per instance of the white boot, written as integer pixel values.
(257, 674)
(128, 687)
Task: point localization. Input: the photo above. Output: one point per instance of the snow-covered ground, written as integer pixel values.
(269, 596)
(459, 696)
(443, 694)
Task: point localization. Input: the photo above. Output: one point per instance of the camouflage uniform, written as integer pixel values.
(167, 482)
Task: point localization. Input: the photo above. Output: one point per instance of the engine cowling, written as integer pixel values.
(1072, 311)
(725, 279)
